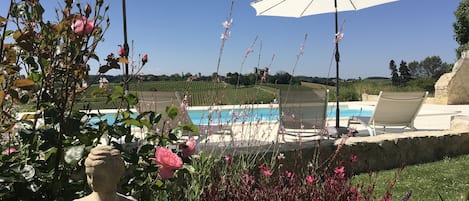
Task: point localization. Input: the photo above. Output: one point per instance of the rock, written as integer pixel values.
(459, 123)
(450, 89)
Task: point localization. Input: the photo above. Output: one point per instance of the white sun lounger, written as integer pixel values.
(392, 109)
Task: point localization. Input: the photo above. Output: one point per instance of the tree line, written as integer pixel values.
(430, 68)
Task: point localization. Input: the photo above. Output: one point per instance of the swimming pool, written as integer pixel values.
(109, 117)
(226, 115)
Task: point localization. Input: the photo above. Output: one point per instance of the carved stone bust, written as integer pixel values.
(104, 167)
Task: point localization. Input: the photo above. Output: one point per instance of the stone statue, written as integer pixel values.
(104, 167)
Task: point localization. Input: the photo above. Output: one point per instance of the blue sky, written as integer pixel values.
(184, 37)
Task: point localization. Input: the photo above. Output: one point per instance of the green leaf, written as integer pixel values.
(128, 138)
(115, 96)
(190, 127)
(145, 149)
(35, 76)
(104, 69)
(172, 112)
(155, 119)
(189, 168)
(98, 91)
(159, 183)
(119, 89)
(50, 152)
(172, 136)
(146, 123)
(131, 99)
(132, 122)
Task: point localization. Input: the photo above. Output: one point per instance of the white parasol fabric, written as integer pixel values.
(301, 8)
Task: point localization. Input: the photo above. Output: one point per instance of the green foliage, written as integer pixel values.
(404, 72)
(430, 67)
(461, 27)
(427, 84)
(394, 73)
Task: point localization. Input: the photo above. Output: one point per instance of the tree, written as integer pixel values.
(394, 74)
(405, 73)
(461, 27)
(430, 67)
(282, 77)
(434, 67)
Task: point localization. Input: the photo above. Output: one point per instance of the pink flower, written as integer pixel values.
(121, 51)
(391, 184)
(145, 59)
(265, 171)
(8, 151)
(353, 158)
(309, 179)
(188, 147)
(165, 173)
(338, 37)
(83, 26)
(228, 158)
(167, 162)
(288, 173)
(340, 172)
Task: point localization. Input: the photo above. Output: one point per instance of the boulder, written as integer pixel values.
(451, 89)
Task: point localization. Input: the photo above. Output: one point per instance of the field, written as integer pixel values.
(158, 94)
(201, 93)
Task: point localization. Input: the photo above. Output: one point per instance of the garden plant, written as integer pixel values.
(43, 67)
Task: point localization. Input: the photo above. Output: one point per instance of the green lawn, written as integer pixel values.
(448, 178)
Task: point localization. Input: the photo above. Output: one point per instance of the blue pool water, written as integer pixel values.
(347, 112)
(225, 116)
(110, 117)
(202, 117)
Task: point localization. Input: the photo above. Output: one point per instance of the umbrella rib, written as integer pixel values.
(306, 8)
(272, 7)
(354, 7)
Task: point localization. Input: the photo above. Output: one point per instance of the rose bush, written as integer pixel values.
(44, 67)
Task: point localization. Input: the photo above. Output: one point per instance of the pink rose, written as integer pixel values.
(165, 173)
(8, 151)
(188, 147)
(309, 179)
(83, 26)
(145, 58)
(167, 162)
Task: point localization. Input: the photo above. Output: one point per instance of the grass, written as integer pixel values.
(447, 178)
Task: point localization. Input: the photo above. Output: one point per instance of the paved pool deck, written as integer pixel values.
(432, 120)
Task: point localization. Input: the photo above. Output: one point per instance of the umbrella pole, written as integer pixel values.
(337, 59)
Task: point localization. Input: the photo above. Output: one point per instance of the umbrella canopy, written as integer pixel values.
(300, 8)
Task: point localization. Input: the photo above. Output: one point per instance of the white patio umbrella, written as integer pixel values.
(300, 8)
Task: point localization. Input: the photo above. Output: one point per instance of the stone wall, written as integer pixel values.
(382, 154)
(450, 88)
